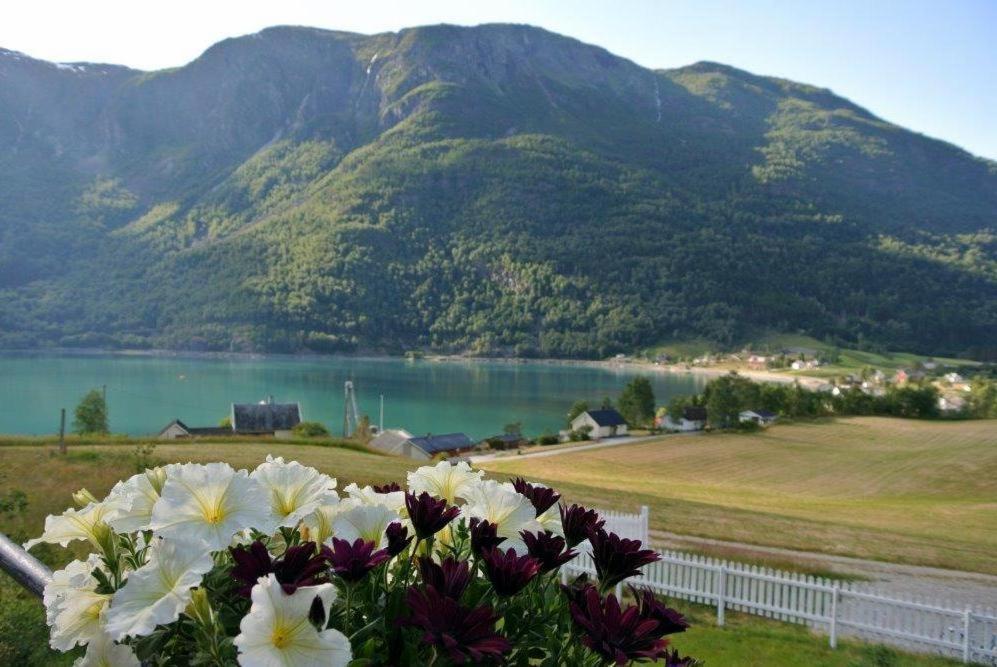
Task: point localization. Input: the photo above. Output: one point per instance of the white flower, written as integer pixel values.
(277, 633)
(73, 608)
(88, 523)
(393, 500)
(212, 503)
(512, 512)
(136, 497)
(317, 526)
(551, 520)
(366, 521)
(157, 592)
(444, 480)
(295, 490)
(102, 652)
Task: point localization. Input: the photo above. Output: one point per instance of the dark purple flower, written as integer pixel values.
(466, 635)
(484, 536)
(617, 635)
(617, 558)
(398, 538)
(299, 566)
(577, 522)
(450, 578)
(352, 562)
(547, 548)
(672, 659)
(390, 487)
(508, 572)
(428, 514)
(542, 497)
(669, 620)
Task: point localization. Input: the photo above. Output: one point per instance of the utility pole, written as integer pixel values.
(62, 431)
(380, 422)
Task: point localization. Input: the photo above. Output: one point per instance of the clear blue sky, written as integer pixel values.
(927, 65)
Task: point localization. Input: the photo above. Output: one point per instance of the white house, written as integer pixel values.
(693, 419)
(604, 423)
(760, 417)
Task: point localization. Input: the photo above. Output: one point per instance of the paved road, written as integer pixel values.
(931, 583)
(602, 444)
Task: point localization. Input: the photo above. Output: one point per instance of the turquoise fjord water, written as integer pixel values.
(145, 392)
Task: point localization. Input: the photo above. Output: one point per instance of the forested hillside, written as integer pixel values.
(498, 190)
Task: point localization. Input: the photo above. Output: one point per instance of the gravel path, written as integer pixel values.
(905, 581)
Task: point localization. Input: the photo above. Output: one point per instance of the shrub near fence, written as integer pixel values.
(838, 608)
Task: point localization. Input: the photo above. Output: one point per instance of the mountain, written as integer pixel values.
(497, 189)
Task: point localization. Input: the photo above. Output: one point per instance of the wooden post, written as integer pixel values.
(721, 594)
(62, 431)
(967, 617)
(834, 617)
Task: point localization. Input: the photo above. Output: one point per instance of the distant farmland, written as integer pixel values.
(889, 489)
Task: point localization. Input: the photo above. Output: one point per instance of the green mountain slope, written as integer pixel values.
(497, 189)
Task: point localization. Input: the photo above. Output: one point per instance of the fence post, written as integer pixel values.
(967, 617)
(833, 639)
(644, 531)
(721, 594)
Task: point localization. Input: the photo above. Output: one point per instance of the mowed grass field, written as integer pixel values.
(48, 479)
(906, 491)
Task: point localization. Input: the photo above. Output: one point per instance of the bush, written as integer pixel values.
(310, 430)
(548, 439)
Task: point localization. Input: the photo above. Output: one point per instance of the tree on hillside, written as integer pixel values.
(578, 408)
(91, 414)
(607, 403)
(636, 402)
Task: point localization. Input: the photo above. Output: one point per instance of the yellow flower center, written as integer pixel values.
(281, 636)
(214, 514)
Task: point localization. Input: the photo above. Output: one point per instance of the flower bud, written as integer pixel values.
(157, 478)
(104, 538)
(200, 609)
(82, 498)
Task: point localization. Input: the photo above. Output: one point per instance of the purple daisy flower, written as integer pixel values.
(542, 497)
(508, 572)
(577, 522)
(352, 562)
(617, 558)
(466, 635)
(547, 548)
(429, 515)
(450, 578)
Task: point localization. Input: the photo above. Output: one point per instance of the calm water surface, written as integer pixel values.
(145, 392)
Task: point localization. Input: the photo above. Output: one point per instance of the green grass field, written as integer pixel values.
(714, 484)
(906, 491)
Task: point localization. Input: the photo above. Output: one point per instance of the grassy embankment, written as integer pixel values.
(47, 478)
(905, 491)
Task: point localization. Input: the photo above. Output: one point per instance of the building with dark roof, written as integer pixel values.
(264, 418)
(605, 423)
(760, 417)
(403, 443)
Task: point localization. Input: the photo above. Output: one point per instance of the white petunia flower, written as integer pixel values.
(136, 496)
(295, 490)
(102, 652)
(78, 617)
(157, 592)
(73, 609)
(366, 521)
(210, 503)
(277, 633)
(88, 523)
(551, 520)
(444, 480)
(317, 526)
(394, 500)
(512, 512)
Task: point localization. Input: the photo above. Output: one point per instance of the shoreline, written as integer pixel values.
(606, 364)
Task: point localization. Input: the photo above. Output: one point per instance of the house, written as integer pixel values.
(760, 417)
(953, 378)
(693, 419)
(177, 429)
(505, 441)
(402, 443)
(758, 362)
(265, 418)
(951, 403)
(604, 423)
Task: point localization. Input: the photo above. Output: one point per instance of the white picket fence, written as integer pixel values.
(837, 607)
